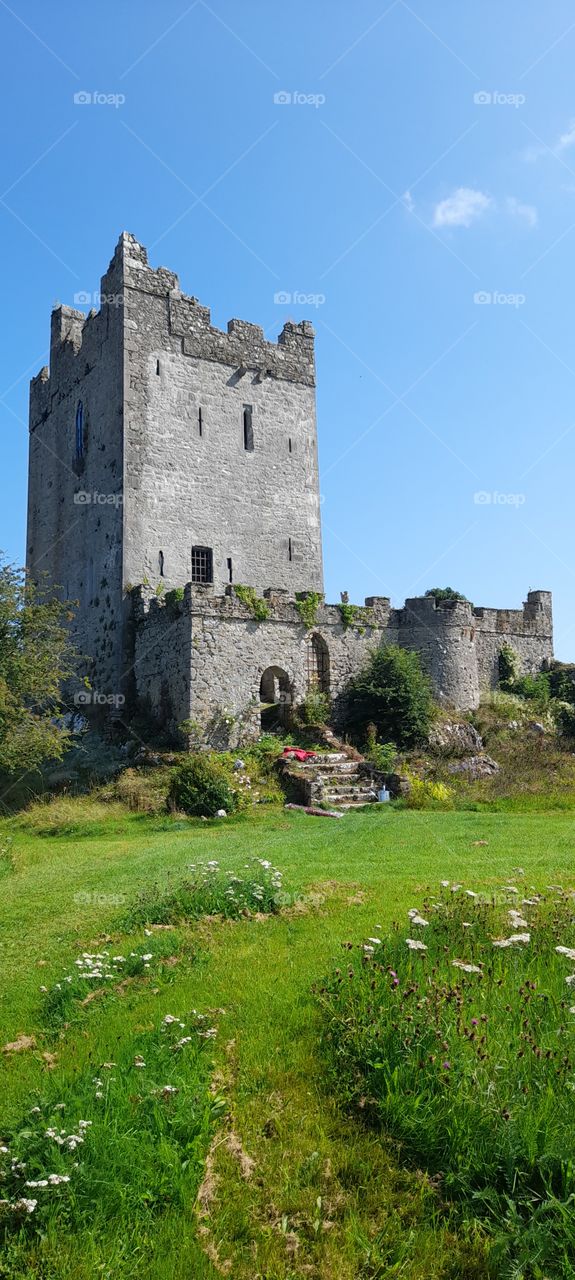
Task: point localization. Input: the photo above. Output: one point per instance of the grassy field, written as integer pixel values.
(254, 1172)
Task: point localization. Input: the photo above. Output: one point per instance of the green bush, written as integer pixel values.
(315, 707)
(200, 787)
(393, 694)
(445, 593)
(508, 666)
(565, 720)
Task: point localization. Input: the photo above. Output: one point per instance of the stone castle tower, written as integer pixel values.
(166, 453)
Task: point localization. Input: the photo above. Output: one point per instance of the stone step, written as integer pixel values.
(356, 796)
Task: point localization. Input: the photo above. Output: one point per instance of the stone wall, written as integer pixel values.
(189, 480)
(229, 653)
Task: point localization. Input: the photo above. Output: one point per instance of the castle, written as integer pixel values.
(172, 467)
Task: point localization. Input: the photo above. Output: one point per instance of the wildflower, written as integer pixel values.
(471, 893)
(368, 951)
(139, 1061)
(475, 1022)
(566, 951)
(147, 957)
(40, 1182)
(446, 1066)
(168, 1090)
(169, 1019)
(570, 980)
(467, 968)
(414, 945)
(180, 1043)
(509, 942)
(84, 1124)
(4, 1151)
(376, 941)
(456, 887)
(519, 923)
(56, 1178)
(27, 1205)
(445, 884)
(416, 918)
(467, 924)
(510, 888)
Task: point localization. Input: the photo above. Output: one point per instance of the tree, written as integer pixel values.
(35, 657)
(445, 593)
(392, 693)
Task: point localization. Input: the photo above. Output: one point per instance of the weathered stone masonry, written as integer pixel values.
(162, 450)
(221, 655)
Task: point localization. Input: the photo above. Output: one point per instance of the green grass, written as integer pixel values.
(326, 1192)
(458, 1028)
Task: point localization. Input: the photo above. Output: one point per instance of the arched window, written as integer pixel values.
(79, 431)
(317, 664)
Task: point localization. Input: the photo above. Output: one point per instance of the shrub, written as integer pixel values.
(565, 719)
(508, 666)
(427, 795)
(392, 693)
(174, 597)
(315, 707)
(307, 606)
(380, 754)
(200, 787)
(248, 596)
(460, 1036)
(445, 593)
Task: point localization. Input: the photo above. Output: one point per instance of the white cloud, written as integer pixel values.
(461, 209)
(526, 212)
(567, 139)
(408, 201)
(564, 143)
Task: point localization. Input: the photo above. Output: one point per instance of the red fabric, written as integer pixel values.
(298, 753)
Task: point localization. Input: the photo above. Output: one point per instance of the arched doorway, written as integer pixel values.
(317, 664)
(275, 698)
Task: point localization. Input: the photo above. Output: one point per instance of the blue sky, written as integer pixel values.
(416, 195)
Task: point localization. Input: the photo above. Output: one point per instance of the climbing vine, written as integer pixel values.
(307, 606)
(248, 596)
(355, 615)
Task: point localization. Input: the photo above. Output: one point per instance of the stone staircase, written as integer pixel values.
(332, 779)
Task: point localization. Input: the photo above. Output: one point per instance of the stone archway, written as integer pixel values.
(275, 698)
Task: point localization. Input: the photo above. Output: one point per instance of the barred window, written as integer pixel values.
(202, 564)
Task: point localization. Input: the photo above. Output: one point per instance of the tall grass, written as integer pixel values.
(208, 890)
(456, 1033)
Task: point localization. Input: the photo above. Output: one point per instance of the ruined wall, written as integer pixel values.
(190, 480)
(228, 651)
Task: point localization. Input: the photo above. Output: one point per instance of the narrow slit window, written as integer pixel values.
(248, 428)
(80, 431)
(290, 450)
(158, 368)
(230, 570)
(202, 565)
(290, 550)
(200, 422)
(161, 563)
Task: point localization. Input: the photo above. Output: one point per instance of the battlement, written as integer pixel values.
(201, 601)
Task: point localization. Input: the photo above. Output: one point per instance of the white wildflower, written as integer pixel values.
(471, 893)
(414, 945)
(566, 951)
(509, 942)
(467, 968)
(169, 1019)
(376, 941)
(28, 1205)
